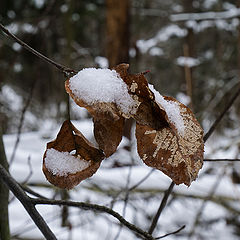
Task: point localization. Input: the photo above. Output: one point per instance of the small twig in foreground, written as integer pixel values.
(26, 202)
(201, 209)
(19, 130)
(221, 160)
(216, 122)
(161, 207)
(98, 208)
(171, 233)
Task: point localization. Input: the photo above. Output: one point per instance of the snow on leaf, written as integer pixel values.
(70, 158)
(95, 86)
(147, 111)
(180, 156)
(105, 95)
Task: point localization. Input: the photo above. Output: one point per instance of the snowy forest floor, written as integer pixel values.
(209, 203)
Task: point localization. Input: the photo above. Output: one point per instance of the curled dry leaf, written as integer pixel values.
(108, 134)
(108, 122)
(147, 111)
(180, 156)
(70, 158)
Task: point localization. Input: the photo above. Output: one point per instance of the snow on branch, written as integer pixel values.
(231, 13)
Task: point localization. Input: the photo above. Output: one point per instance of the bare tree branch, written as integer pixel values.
(161, 207)
(21, 123)
(171, 233)
(201, 209)
(27, 203)
(29, 190)
(221, 160)
(217, 121)
(67, 71)
(98, 208)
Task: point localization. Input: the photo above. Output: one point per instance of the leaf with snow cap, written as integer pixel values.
(70, 158)
(105, 95)
(176, 149)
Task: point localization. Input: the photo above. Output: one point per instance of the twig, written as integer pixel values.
(213, 127)
(171, 233)
(67, 71)
(127, 190)
(30, 171)
(161, 207)
(98, 208)
(27, 203)
(29, 190)
(201, 209)
(221, 160)
(133, 187)
(142, 180)
(21, 124)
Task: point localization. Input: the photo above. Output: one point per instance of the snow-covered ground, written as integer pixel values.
(108, 182)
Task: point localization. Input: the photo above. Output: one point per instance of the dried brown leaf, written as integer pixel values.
(147, 112)
(108, 122)
(68, 140)
(108, 134)
(179, 157)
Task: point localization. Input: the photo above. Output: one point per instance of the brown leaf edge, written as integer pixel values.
(179, 157)
(69, 139)
(108, 122)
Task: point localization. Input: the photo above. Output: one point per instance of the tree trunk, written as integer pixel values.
(117, 24)
(4, 194)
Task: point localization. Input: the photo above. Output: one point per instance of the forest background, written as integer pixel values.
(192, 51)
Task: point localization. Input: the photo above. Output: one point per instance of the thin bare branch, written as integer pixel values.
(127, 191)
(21, 124)
(201, 209)
(26, 202)
(217, 121)
(67, 71)
(30, 171)
(161, 207)
(29, 190)
(171, 233)
(98, 208)
(221, 160)
(142, 180)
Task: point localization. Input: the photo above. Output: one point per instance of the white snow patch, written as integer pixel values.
(183, 98)
(156, 51)
(163, 35)
(172, 110)
(102, 85)
(187, 61)
(102, 62)
(63, 163)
